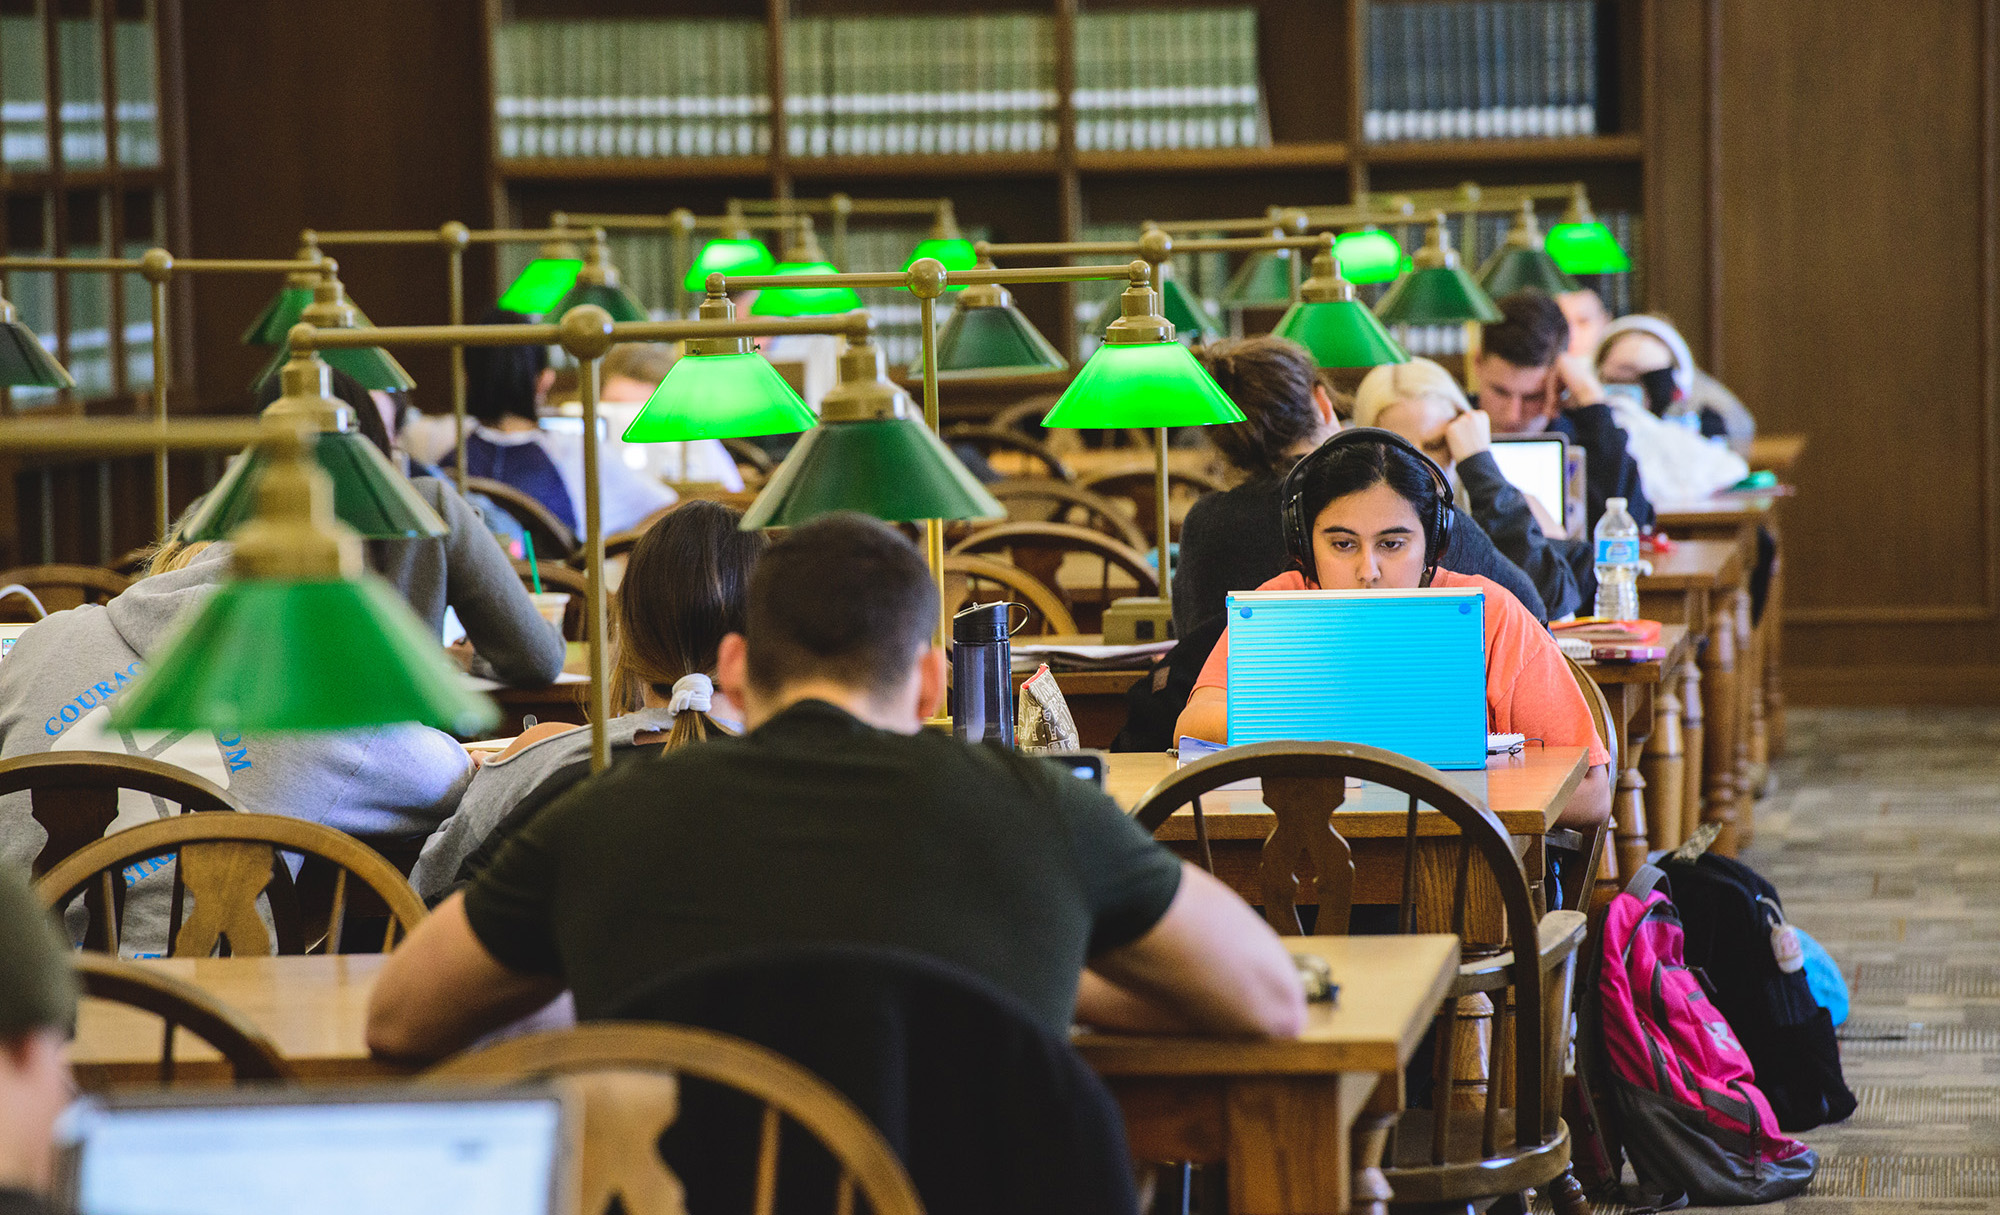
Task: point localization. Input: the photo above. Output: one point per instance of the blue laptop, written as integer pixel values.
(1400, 670)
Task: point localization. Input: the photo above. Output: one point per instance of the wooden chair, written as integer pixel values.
(1579, 881)
(181, 1005)
(990, 441)
(1140, 488)
(1046, 613)
(554, 541)
(753, 462)
(1025, 416)
(1044, 500)
(225, 862)
(57, 588)
(1441, 1159)
(626, 1076)
(74, 794)
(576, 617)
(1040, 549)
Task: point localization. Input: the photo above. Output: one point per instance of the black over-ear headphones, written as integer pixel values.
(1298, 528)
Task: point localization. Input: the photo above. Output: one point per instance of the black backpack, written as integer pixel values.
(1154, 704)
(1729, 914)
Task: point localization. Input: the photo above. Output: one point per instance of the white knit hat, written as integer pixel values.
(1656, 327)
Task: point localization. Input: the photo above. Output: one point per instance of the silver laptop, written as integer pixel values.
(408, 1150)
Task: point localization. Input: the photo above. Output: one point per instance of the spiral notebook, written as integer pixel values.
(1400, 670)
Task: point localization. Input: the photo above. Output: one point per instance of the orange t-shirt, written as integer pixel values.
(1529, 690)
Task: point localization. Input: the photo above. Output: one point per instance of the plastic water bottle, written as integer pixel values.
(1617, 539)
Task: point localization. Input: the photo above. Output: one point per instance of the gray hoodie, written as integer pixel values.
(56, 685)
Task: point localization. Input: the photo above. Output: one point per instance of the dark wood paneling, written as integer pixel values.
(363, 114)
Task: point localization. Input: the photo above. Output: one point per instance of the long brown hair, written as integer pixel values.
(1272, 381)
(684, 590)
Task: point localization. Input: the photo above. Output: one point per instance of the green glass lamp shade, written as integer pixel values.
(24, 363)
(1191, 320)
(1142, 385)
(955, 252)
(269, 656)
(371, 366)
(1369, 256)
(805, 301)
(720, 396)
(729, 255)
(994, 341)
(1436, 295)
(1264, 281)
(1340, 333)
(369, 495)
(892, 468)
(620, 303)
(278, 317)
(541, 285)
(1587, 248)
(1513, 267)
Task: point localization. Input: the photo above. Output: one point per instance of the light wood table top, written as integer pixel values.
(1779, 453)
(314, 1009)
(1722, 511)
(1390, 987)
(1526, 792)
(1694, 565)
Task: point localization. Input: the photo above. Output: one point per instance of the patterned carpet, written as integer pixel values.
(1882, 835)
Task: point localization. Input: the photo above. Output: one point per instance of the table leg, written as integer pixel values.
(1664, 765)
(1694, 741)
(1371, 1140)
(1749, 705)
(1288, 1146)
(1628, 808)
(1719, 697)
(1774, 652)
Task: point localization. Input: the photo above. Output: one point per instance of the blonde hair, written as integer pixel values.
(646, 362)
(1394, 383)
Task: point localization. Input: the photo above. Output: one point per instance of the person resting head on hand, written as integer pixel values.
(1372, 503)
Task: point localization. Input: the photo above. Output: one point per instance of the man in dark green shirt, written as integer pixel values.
(838, 818)
(37, 1012)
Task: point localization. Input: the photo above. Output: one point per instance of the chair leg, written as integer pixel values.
(1566, 1195)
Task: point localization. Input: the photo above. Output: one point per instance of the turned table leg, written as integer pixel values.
(1719, 696)
(1694, 740)
(1664, 765)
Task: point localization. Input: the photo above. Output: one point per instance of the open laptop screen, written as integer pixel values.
(252, 1153)
(1535, 467)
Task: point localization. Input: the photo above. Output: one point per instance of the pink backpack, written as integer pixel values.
(1689, 1113)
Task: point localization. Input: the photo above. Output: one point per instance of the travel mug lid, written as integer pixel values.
(982, 623)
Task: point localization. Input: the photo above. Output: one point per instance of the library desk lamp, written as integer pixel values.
(158, 267)
(945, 245)
(287, 307)
(1580, 244)
(1142, 377)
(276, 647)
(1436, 290)
(721, 388)
(804, 257)
(24, 361)
(986, 335)
(735, 241)
(1270, 278)
(1370, 255)
(597, 282)
(369, 495)
(587, 333)
(1523, 261)
(839, 208)
(1337, 329)
(371, 366)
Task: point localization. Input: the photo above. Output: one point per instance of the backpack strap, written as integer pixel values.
(1646, 879)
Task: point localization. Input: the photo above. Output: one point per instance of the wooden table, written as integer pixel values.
(1776, 453)
(1282, 1115)
(1648, 796)
(1703, 584)
(1526, 792)
(1278, 1113)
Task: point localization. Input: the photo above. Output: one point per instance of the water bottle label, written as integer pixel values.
(1617, 552)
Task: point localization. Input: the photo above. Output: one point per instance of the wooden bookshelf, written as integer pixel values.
(1311, 61)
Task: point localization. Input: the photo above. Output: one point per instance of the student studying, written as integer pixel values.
(1367, 511)
(37, 1015)
(838, 818)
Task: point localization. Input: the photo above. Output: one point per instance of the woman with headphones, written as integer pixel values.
(1368, 511)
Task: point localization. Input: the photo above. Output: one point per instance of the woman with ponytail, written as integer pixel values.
(683, 591)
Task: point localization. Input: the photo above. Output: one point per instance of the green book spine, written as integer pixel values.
(138, 87)
(24, 121)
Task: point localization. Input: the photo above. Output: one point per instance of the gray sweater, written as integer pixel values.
(500, 785)
(58, 681)
(468, 570)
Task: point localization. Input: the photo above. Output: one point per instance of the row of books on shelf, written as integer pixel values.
(82, 132)
(1481, 69)
(920, 85)
(89, 354)
(1168, 78)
